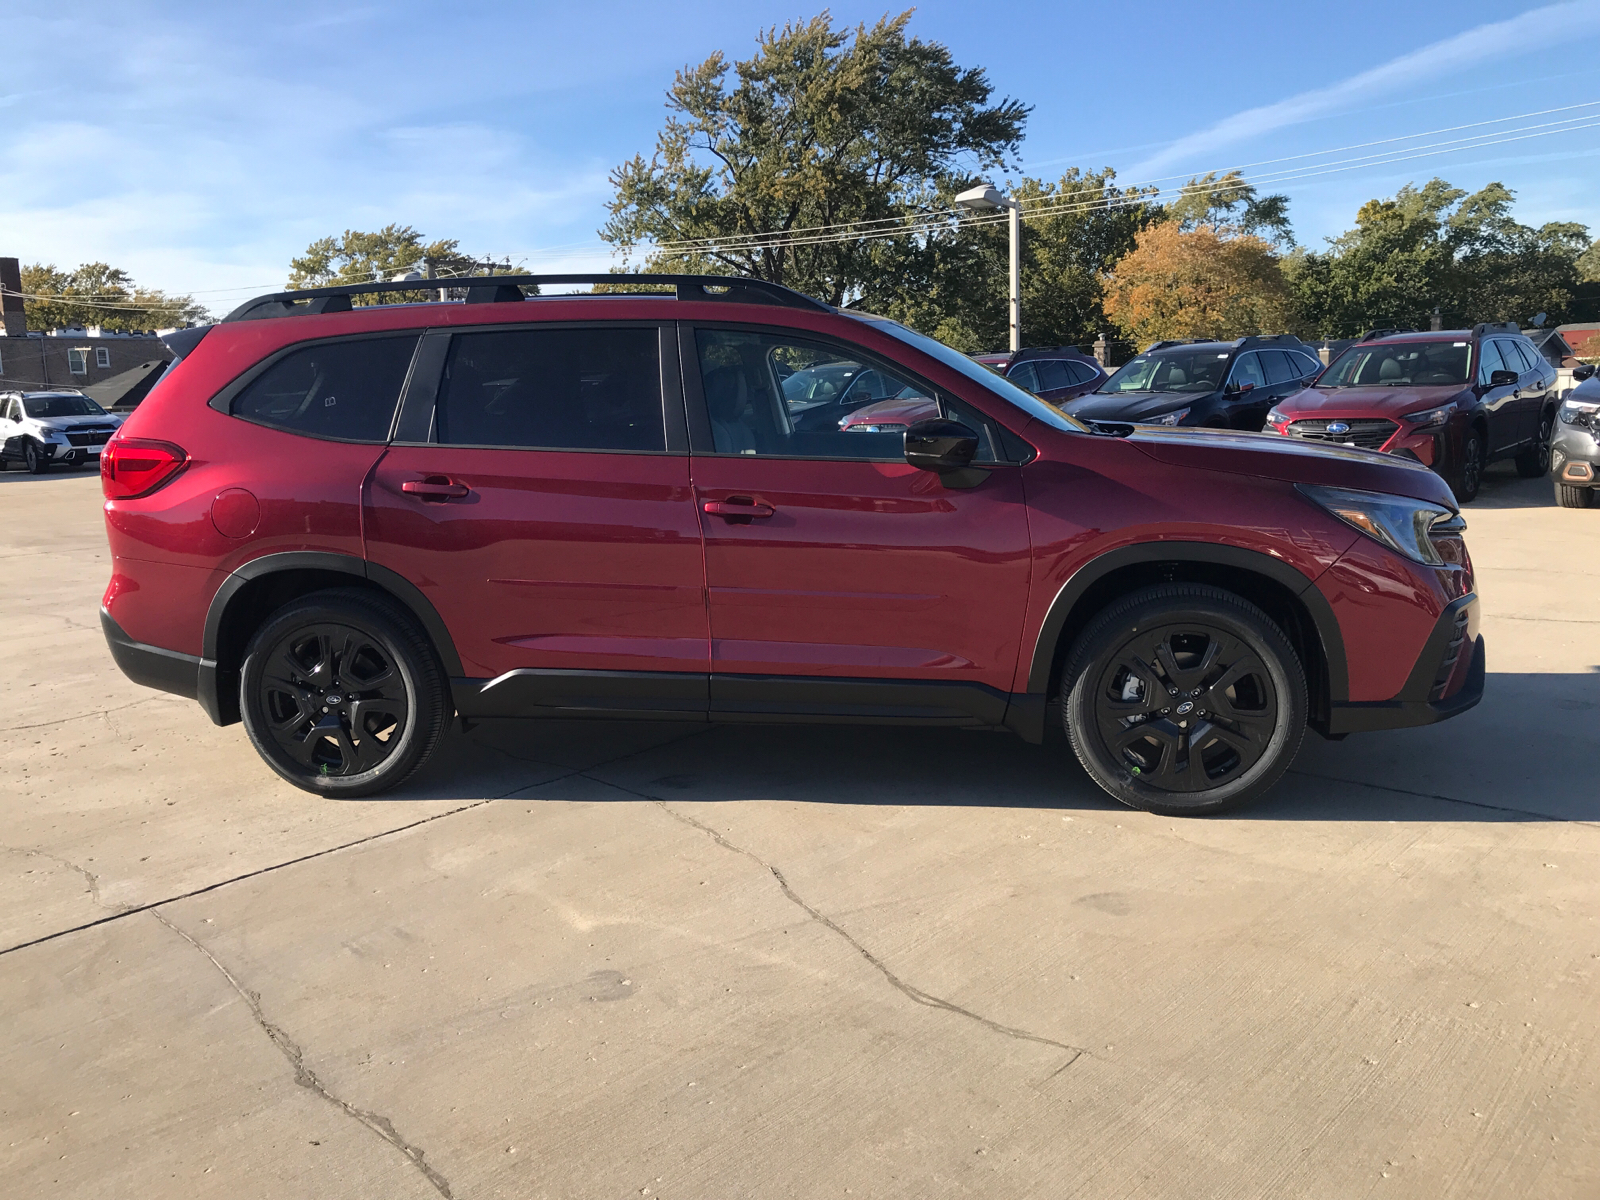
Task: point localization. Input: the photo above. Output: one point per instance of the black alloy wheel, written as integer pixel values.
(1184, 699)
(35, 461)
(341, 694)
(1469, 472)
(1534, 461)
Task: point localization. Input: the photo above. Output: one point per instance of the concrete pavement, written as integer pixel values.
(609, 960)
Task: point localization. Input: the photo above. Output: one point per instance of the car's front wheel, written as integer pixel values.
(341, 694)
(1568, 496)
(34, 458)
(1469, 471)
(1184, 699)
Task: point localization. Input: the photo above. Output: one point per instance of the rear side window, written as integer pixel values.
(553, 389)
(1518, 357)
(1052, 375)
(1279, 368)
(341, 390)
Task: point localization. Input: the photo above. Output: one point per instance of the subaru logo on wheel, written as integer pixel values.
(1338, 427)
(1185, 708)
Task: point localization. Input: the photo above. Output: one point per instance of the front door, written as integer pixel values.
(840, 580)
(1499, 404)
(551, 522)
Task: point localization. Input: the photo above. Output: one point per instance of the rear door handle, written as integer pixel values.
(737, 508)
(435, 487)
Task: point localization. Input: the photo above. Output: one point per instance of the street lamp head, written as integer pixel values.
(981, 198)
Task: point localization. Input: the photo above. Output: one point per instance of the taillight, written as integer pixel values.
(132, 467)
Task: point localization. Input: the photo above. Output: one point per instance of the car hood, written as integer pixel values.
(63, 424)
(1365, 401)
(1293, 460)
(1130, 406)
(902, 411)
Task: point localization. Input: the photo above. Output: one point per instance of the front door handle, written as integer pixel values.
(435, 487)
(738, 508)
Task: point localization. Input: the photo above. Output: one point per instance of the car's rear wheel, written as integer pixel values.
(1469, 471)
(341, 694)
(33, 458)
(1184, 699)
(1534, 461)
(1568, 496)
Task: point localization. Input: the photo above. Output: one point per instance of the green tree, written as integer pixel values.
(100, 294)
(821, 127)
(357, 257)
(1228, 202)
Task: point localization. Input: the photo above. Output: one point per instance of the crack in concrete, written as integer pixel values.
(305, 1077)
(89, 876)
(1384, 787)
(911, 991)
(99, 712)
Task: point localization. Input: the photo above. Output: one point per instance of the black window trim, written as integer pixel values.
(702, 445)
(223, 400)
(417, 424)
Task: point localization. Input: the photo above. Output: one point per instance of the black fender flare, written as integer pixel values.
(397, 586)
(1298, 585)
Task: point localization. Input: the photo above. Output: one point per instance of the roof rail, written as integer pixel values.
(1270, 339)
(1483, 328)
(1177, 342)
(504, 289)
(1372, 334)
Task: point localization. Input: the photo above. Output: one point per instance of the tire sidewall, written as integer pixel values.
(1469, 474)
(1229, 614)
(416, 740)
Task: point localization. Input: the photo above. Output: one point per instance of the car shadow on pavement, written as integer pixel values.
(1525, 754)
(1502, 487)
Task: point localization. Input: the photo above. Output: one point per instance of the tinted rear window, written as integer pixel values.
(553, 389)
(342, 390)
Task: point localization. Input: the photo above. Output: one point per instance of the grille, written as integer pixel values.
(1452, 655)
(88, 439)
(1368, 434)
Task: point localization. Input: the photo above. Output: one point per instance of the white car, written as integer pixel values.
(41, 428)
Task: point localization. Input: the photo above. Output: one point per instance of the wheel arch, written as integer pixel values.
(262, 585)
(1286, 595)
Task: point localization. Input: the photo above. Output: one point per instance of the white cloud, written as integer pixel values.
(1575, 20)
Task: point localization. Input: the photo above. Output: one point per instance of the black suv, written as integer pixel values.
(1224, 385)
(1055, 375)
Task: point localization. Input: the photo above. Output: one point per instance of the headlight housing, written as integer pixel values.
(1277, 417)
(1580, 412)
(1429, 417)
(1171, 418)
(1399, 522)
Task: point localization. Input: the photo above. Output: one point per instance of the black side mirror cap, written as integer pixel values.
(1503, 378)
(1586, 371)
(940, 444)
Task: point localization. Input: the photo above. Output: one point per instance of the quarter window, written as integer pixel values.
(342, 390)
(761, 399)
(554, 389)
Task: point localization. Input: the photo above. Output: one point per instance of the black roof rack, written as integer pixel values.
(1373, 334)
(1483, 328)
(1177, 342)
(503, 289)
(1270, 339)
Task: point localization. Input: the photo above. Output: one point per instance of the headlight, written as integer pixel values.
(1399, 522)
(1277, 417)
(1171, 418)
(1578, 412)
(1430, 417)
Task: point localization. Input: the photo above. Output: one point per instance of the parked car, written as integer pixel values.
(1452, 400)
(1055, 376)
(1575, 448)
(1220, 385)
(995, 362)
(40, 429)
(343, 525)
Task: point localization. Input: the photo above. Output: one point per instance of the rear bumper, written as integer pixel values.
(151, 666)
(1446, 681)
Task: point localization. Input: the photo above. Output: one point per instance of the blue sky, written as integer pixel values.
(202, 146)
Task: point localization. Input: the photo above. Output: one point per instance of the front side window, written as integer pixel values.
(1025, 375)
(78, 361)
(751, 411)
(596, 388)
(62, 406)
(344, 390)
(1248, 370)
(1402, 364)
(1489, 361)
(1196, 371)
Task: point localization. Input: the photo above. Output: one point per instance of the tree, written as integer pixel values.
(1227, 201)
(100, 294)
(357, 257)
(955, 285)
(1438, 246)
(821, 127)
(1199, 283)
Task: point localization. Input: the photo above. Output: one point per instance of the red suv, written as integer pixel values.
(343, 524)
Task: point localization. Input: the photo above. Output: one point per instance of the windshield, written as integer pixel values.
(61, 406)
(1170, 371)
(981, 375)
(1404, 364)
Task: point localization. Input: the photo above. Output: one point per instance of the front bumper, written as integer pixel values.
(1446, 681)
(1575, 455)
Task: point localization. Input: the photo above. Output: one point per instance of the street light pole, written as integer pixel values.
(983, 198)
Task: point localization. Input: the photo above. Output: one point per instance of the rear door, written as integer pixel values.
(841, 580)
(1528, 401)
(539, 496)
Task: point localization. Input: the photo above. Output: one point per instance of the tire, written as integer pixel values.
(36, 463)
(1568, 496)
(1534, 461)
(1469, 471)
(364, 653)
(1145, 645)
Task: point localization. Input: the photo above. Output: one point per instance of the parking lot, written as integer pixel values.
(622, 959)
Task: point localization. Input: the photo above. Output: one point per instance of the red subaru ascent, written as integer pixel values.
(344, 525)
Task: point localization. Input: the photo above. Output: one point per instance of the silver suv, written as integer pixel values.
(41, 428)
(1575, 448)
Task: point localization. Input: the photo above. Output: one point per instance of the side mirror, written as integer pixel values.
(939, 444)
(1246, 387)
(1503, 379)
(1586, 371)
